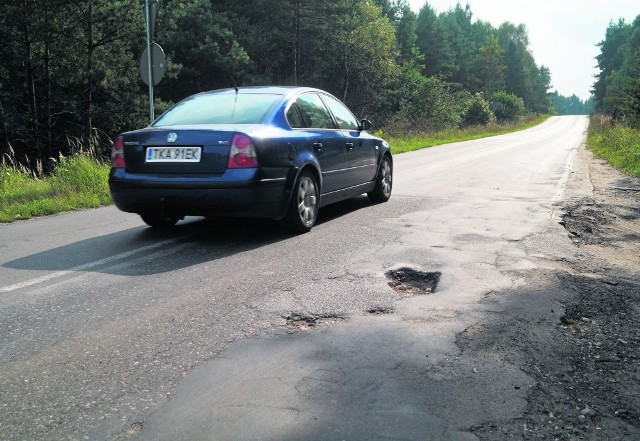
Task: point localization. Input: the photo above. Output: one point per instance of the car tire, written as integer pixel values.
(303, 209)
(158, 221)
(384, 182)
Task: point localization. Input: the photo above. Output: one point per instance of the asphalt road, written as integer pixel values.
(235, 330)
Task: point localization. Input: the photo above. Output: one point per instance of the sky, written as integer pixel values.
(563, 34)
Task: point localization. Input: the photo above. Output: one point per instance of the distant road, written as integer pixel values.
(103, 319)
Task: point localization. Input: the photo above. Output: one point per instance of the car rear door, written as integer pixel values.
(317, 133)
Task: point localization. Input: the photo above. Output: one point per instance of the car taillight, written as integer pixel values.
(117, 153)
(242, 153)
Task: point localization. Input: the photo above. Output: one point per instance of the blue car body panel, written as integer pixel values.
(345, 163)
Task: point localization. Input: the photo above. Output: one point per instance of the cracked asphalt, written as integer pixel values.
(234, 330)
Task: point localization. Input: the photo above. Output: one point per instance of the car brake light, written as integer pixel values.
(242, 153)
(117, 153)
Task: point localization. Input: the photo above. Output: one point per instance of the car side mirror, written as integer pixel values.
(365, 124)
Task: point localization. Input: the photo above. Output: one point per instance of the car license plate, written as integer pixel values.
(173, 154)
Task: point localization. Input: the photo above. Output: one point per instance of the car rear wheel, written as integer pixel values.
(384, 182)
(158, 221)
(303, 210)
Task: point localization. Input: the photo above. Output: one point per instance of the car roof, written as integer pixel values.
(267, 90)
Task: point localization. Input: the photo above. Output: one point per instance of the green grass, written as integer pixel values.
(76, 182)
(617, 144)
(410, 143)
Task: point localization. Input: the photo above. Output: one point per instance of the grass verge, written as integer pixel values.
(617, 144)
(410, 143)
(76, 182)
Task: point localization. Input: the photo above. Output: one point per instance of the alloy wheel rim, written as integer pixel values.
(386, 178)
(307, 201)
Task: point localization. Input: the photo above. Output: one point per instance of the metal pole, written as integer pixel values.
(149, 59)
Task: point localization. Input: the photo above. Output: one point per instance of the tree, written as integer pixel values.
(571, 105)
(515, 76)
(404, 20)
(523, 77)
(432, 42)
(203, 52)
(492, 68)
(616, 89)
(21, 33)
(459, 30)
(610, 61)
(69, 79)
(100, 35)
(364, 48)
(72, 65)
(353, 53)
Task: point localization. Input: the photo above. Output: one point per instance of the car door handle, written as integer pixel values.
(349, 146)
(317, 146)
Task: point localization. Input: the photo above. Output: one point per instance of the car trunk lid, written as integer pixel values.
(177, 151)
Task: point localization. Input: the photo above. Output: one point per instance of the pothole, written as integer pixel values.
(380, 310)
(134, 429)
(305, 322)
(412, 282)
(129, 432)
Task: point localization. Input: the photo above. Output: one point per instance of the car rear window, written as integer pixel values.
(228, 108)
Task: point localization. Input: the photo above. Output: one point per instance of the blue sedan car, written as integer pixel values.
(272, 152)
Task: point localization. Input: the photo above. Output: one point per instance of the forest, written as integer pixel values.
(69, 80)
(614, 130)
(571, 105)
(616, 91)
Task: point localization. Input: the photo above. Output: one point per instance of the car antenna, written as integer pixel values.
(234, 84)
(235, 103)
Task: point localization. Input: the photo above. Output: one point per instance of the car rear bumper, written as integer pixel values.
(237, 193)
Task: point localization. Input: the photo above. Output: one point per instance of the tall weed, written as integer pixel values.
(616, 143)
(79, 181)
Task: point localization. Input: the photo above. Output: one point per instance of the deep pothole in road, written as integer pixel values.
(380, 310)
(306, 322)
(409, 281)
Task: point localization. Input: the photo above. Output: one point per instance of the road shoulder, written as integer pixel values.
(581, 344)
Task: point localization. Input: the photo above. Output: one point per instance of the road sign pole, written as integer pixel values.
(149, 60)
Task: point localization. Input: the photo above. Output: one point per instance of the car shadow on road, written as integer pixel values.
(191, 242)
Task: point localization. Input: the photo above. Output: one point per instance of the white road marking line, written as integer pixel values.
(86, 266)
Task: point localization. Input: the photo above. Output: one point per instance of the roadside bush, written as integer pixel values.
(427, 105)
(478, 113)
(432, 105)
(506, 106)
